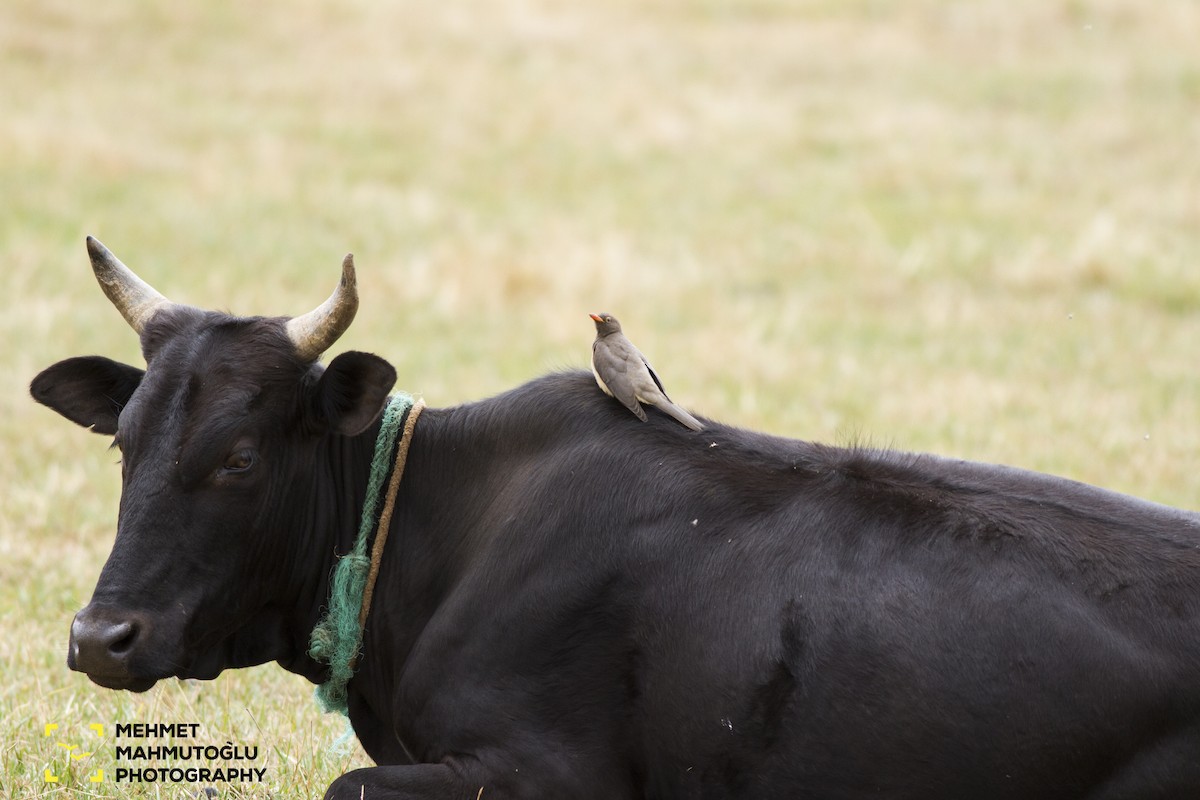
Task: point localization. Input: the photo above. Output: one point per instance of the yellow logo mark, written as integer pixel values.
(95, 727)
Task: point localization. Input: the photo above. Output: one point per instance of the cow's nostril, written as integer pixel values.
(123, 636)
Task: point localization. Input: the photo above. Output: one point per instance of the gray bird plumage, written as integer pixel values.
(624, 373)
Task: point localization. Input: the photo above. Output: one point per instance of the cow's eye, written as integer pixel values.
(239, 461)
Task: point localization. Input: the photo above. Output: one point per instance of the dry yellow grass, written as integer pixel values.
(970, 229)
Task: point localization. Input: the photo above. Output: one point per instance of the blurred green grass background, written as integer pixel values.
(965, 228)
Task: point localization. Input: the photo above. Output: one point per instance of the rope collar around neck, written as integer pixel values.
(337, 638)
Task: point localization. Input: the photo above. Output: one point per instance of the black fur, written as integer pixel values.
(577, 604)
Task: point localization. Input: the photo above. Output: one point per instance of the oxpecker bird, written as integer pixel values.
(624, 373)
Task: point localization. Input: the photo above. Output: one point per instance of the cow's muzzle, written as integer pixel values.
(105, 643)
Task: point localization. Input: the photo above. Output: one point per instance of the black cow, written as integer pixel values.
(575, 604)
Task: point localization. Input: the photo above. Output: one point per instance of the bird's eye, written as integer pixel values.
(239, 461)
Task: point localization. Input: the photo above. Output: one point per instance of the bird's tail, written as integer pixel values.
(682, 417)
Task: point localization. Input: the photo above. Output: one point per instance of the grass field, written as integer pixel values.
(967, 228)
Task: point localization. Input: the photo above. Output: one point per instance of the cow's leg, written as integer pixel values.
(416, 782)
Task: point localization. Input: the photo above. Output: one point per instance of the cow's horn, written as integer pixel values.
(315, 332)
(134, 298)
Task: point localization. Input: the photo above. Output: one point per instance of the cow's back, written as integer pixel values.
(852, 622)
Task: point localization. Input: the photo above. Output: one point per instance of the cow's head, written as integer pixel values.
(221, 452)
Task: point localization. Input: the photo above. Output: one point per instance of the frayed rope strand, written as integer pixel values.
(337, 638)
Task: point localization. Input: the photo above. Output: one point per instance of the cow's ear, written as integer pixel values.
(88, 390)
(352, 391)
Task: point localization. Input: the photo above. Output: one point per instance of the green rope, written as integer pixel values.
(337, 638)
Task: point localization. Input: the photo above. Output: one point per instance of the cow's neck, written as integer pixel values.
(452, 458)
(452, 468)
(325, 518)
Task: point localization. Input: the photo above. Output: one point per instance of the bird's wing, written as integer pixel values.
(654, 376)
(645, 381)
